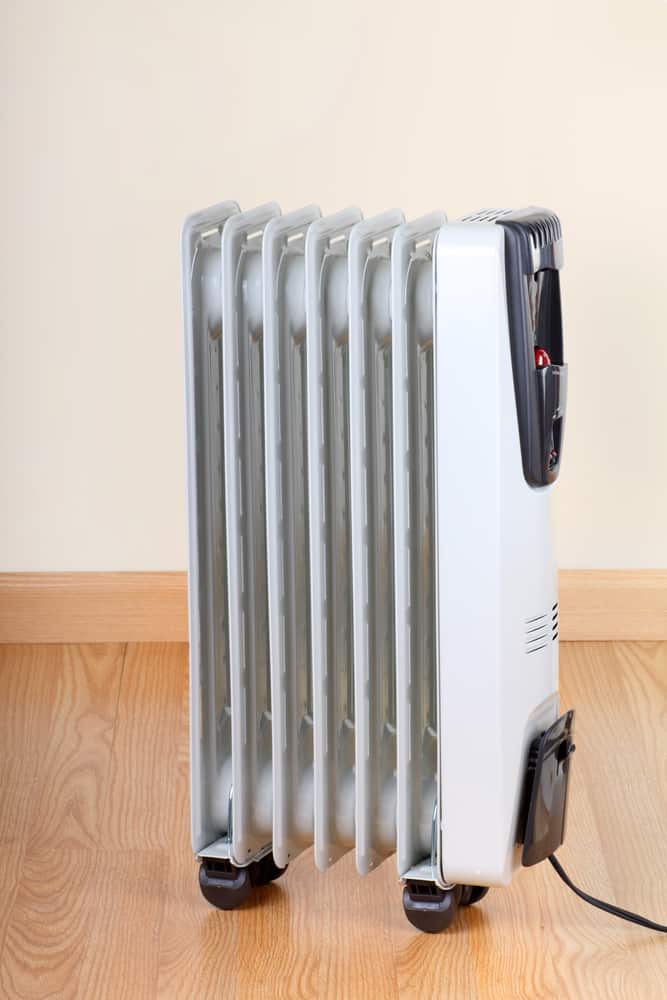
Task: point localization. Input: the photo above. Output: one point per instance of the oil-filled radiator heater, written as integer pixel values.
(375, 423)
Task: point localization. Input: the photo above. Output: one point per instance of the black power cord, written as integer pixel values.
(616, 911)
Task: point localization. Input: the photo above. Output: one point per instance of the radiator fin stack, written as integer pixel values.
(315, 544)
(312, 442)
(372, 650)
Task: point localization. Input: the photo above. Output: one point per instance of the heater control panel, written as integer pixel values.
(533, 258)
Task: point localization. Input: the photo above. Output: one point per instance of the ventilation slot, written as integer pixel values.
(544, 231)
(487, 215)
(554, 622)
(537, 633)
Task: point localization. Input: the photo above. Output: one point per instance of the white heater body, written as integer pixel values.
(496, 577)
(373, 602)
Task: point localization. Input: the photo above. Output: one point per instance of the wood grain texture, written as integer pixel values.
(100, 894)
(69, 801)
(613, 604)
(93, 607)
(152, 607)
(144, 796)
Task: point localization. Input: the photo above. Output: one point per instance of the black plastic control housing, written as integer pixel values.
(544, 806)
(533, 256)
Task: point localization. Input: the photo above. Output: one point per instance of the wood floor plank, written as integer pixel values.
(100, 894)
(198, 946)
(354, 923)
(11, 863)
(287, 920)
(622, 748)
(68, 808)
(198, 949)
(430, 965)
(47, 933)
(28, 679)
(142, 803)
(125, 905)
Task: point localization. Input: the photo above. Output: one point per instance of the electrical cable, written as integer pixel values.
(615, 911)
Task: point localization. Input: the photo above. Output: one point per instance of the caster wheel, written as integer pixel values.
(430, 908)
(472, 894)
(223, 885)
(265, 870)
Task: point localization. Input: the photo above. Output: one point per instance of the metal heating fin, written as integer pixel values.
(329, 531)
(285, 398)
(242, 323)
(372, 544)
(210, 701)
(414, 537)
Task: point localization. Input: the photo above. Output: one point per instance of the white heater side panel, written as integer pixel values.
(495, 566)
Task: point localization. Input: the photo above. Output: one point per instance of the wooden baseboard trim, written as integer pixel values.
(613, 604)
(93, 607)
(147, 607)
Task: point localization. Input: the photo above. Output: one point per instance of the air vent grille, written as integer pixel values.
(537, 633)
(554, 622)
(544, 231)
(487, 215)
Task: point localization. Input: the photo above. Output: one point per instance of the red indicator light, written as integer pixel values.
(542, 359)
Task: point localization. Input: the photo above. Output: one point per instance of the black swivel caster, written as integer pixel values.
(472, 894)
(222, 884)
(227, 887)
(430, 908)
(265, 870)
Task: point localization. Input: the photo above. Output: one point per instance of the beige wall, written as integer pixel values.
(121, 117)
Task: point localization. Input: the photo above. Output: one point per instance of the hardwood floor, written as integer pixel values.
(99, 891)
